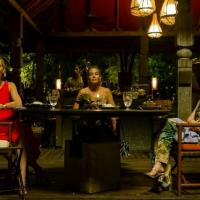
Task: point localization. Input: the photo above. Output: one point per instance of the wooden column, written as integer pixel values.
(16, 62)
(144, 50)
(40, 70)
(184, 53)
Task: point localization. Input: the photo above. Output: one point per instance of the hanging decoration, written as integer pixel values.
(168, 12)
(154, 30)
(143, 8)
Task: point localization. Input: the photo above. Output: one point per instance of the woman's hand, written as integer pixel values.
(195, 129)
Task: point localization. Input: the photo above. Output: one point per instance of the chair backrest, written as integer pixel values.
(185, 150)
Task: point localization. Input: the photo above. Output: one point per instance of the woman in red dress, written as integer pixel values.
(10, 98)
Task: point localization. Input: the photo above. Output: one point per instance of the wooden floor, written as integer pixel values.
(133, 184)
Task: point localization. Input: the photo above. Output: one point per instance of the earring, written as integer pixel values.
(4, 74)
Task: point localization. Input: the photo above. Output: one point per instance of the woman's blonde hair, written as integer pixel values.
(3, 64)
(94, 67)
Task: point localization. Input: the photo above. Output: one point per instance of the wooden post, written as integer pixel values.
(144, 50)
(16, 48)
(184, 53)
(40, 50)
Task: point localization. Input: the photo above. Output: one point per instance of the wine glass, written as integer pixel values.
(127, 98)
(53, 99)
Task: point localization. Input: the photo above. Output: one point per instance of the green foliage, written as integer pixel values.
(27, 75)
(165, 69)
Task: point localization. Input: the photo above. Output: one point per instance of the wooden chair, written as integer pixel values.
(185, 150)
(12, 154)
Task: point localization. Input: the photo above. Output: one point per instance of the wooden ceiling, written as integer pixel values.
(82, 23)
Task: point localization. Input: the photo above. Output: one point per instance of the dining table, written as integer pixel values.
(65, 116)
(93, 166)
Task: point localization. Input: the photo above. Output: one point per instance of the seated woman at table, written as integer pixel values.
(91, 97)
(10, 98)
(167, 140)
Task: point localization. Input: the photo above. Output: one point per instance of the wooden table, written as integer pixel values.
(92, 166)
(129, 118)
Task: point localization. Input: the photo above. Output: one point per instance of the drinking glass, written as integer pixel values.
(127, 98)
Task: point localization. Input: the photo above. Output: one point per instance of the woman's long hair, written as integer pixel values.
(3, 63)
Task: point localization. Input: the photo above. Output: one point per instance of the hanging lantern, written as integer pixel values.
(146, 7)
(134, 8)
(154, 30)
(168, 12)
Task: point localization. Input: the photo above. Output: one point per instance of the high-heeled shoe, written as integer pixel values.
(23, 192)
(156, 171)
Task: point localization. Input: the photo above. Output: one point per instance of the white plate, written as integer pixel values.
(4, 143)
(108, 106)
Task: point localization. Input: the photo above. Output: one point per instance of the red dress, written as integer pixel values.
(7, 115)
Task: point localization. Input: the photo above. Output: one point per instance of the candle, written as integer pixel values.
(154, 83)
(98, 100)
(58, 84)
(98, 96)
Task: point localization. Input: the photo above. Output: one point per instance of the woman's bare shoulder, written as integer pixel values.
(105, 89)
(11, 84)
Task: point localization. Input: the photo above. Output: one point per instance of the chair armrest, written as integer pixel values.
(188, 124)
(6, 123)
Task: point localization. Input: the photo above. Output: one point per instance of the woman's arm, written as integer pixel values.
(76, 104)
(110, 97)
(16, 99)
(113, 119)
(191, 118)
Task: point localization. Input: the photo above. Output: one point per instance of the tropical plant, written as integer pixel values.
(164, 68)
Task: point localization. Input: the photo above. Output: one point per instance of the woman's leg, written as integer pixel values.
(165, 141)
(163, 147)
(23, 168)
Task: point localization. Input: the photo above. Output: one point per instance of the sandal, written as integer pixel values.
(156, 171)
(23, 191)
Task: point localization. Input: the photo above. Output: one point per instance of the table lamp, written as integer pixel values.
(58, 83)
(154, 85)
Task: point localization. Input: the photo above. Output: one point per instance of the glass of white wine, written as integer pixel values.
(127, 99)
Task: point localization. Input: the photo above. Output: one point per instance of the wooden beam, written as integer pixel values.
(104, 34)
(24, 14)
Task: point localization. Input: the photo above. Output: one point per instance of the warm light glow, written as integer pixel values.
(58, 84)
(146, 7)
(154, 83)
(134, 8)
(154, 30)
(168, 12)
(142, 8)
